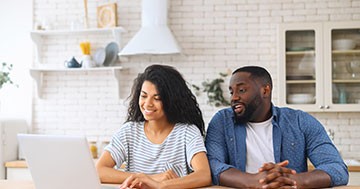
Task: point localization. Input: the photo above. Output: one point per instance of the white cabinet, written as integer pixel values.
(41, 67)
(313, 73)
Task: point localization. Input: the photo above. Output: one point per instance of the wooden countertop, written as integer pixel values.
(22, 164)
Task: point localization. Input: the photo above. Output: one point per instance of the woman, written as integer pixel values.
(161, 142)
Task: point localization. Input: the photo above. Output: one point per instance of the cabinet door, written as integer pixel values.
(342, 66)
(300, 69)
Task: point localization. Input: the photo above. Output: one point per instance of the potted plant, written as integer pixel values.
(4, 74)
(213, 90)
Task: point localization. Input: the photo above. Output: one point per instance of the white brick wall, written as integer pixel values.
(218, 36)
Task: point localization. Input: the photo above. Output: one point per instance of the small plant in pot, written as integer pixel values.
(213, 90)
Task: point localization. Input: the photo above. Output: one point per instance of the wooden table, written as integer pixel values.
(11, 184)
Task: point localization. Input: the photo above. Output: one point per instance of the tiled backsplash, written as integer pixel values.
(215, 36)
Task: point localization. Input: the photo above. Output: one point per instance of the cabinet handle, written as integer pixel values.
(321, 107)
(327, 107)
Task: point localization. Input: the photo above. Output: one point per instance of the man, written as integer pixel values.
(255, 144)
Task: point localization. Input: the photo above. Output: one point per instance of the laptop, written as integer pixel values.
(58, 162)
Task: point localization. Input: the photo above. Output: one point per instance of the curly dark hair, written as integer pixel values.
(179, 103)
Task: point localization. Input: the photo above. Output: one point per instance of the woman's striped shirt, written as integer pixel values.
(131, 146)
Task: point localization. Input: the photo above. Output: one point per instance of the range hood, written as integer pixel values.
(154, 36)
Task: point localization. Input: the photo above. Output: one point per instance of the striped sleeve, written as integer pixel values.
(194, 143)
(117, 146)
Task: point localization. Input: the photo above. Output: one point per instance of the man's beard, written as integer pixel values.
(248, 113)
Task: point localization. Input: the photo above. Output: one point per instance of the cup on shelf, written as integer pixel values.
(353, 67)
(87, 61)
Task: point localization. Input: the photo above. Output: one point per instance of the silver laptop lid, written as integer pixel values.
(58, 162)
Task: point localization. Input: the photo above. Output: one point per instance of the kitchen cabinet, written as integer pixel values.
(314, 72)
(42, 67)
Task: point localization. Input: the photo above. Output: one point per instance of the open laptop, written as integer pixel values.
(60, 162)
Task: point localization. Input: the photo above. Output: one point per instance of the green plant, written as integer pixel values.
(4, 74)
(213, 90)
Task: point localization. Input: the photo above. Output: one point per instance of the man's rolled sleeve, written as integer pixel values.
(216, 148)
(322, 151)
(216, 169)
(338, 173)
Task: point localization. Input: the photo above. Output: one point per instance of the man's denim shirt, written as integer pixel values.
(296, 136)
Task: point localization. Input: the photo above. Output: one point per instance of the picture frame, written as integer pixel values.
(107, 15)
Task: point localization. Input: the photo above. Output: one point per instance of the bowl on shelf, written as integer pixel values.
(301, 98)
(343, 44)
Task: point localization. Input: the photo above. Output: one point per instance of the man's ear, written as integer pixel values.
(266, 91)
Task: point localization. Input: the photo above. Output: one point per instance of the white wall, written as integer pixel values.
(16, 49)
(216, 35)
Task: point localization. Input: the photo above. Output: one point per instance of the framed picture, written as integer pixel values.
(106, 16)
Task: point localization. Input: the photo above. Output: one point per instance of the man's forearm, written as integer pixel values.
(238, 179)
(312, 179)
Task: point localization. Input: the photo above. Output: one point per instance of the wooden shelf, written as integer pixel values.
(300, 81)
(37, 75)
(356, 51)
(300, 52)
(355, 81)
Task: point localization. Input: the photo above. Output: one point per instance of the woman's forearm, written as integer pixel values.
(111, 175)
(196, 179)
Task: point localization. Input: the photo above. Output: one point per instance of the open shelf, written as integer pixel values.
(37, 36)
(37, 75)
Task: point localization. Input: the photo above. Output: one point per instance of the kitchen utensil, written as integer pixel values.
(86, 22)
(85, 47)
(87, 62)
(299, 77)
(353, 67)
(99, 56)
(300, 48)
(111, 51)
(72, 63)
(336, 69)
(301, 98)
(342, 95)
(343, 44)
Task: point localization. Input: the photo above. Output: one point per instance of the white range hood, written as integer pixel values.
(154, 36)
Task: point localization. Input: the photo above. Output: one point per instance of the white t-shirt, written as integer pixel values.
(130, 145)
(259, 145)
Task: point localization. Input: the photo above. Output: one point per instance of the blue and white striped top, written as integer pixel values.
(131, 146)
